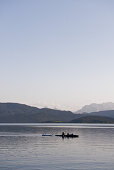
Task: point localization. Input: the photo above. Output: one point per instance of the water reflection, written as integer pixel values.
(24, 147)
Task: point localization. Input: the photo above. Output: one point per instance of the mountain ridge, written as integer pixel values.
(94, 107)
(22, 113)
(15, 112)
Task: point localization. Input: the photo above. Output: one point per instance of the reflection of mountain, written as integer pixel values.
(96, 107)
(20, 113)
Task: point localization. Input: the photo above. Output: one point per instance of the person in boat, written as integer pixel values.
(63, 134)
(67, 134)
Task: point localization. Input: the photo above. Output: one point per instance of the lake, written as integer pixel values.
(22, 147)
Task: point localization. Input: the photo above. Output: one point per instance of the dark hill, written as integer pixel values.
(93, 119)
(107, 113)
(20, 113)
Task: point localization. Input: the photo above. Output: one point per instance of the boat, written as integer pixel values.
(63, 136)
(68, 136)
(47, 135)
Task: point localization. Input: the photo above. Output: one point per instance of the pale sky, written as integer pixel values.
(57, 53)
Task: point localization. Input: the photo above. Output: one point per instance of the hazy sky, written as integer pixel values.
(57, 53)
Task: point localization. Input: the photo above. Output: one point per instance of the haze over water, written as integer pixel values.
(23, 147)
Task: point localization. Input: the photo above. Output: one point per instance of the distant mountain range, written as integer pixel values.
(96, 107)
(93, 119)
(21, 113)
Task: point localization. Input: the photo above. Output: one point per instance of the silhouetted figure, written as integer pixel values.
(63, 134)
(67, 134)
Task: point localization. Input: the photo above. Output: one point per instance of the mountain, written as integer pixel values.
(106, 113)
(96, 107)
(21, 113)
(93, 119)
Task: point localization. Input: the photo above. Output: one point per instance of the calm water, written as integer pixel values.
(22, 147)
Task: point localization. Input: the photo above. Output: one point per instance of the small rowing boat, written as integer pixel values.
(47, 135)
(68, 136)
(63, 136)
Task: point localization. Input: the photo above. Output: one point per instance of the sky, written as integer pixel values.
(57, 53)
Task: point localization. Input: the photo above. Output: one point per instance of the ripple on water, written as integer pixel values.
(24, 147)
